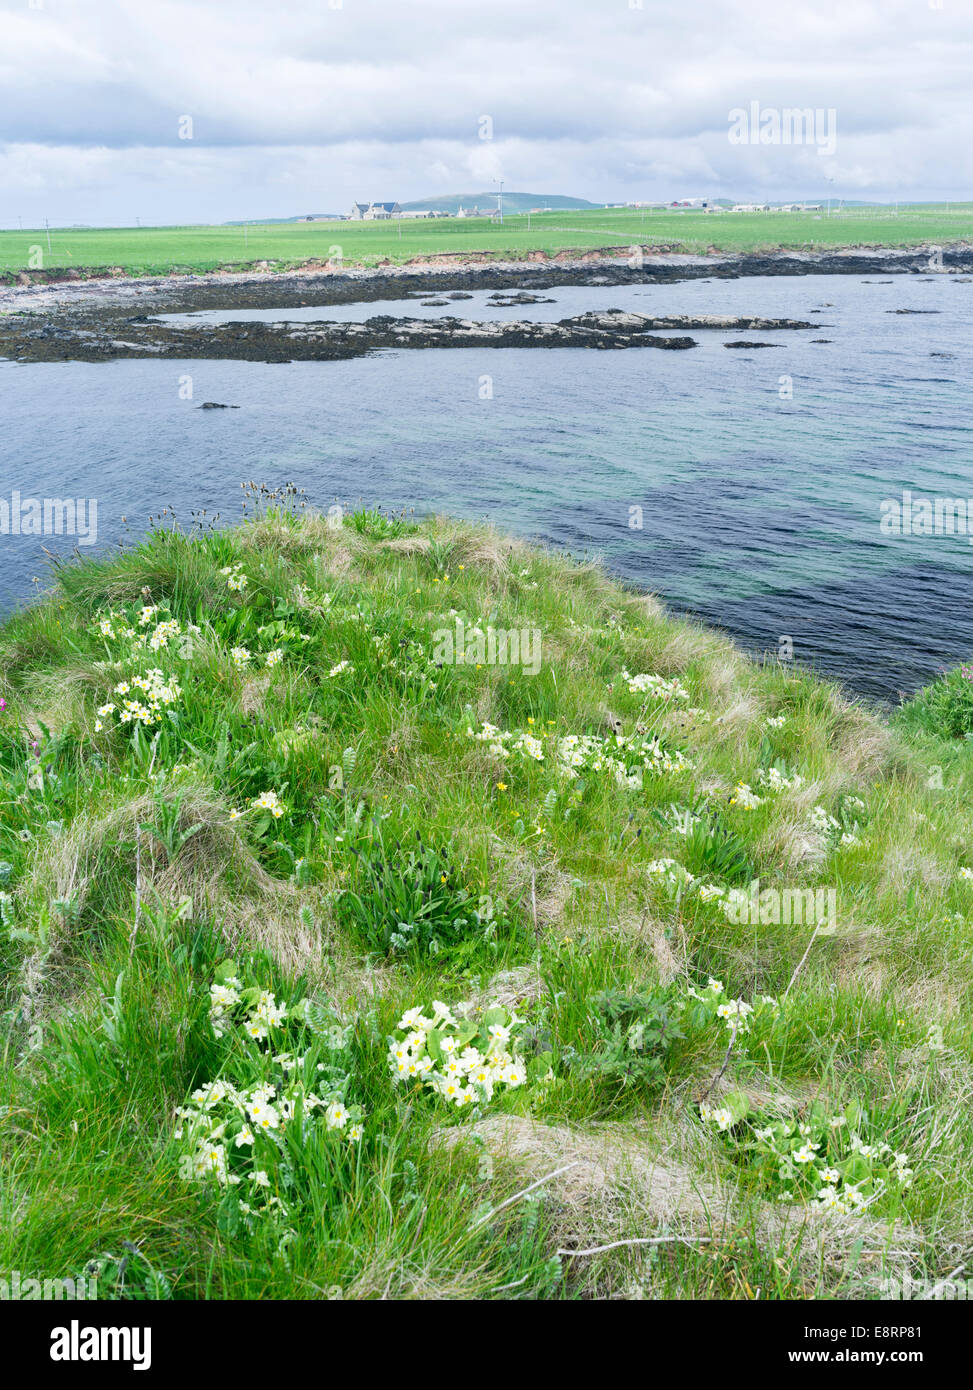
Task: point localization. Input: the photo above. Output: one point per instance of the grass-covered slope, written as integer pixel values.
(335, 967)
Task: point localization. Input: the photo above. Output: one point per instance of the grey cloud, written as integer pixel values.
(595, 97)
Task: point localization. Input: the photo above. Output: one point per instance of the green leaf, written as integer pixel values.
(539, 1066)
(228, 1218)
(854, 1115)
(738, 1104)
(855, 1169)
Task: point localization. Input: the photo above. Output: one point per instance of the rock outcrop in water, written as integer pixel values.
(33, 339)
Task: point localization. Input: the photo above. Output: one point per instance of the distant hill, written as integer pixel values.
(512, 202)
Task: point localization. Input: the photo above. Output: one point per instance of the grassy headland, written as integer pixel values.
(254, 818)
(165, 250)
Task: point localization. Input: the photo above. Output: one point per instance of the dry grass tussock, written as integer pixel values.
(905, 863)
(511, 988)
(672, 649)
(605, 1164)
(253, 694)
(733, 725)
(274, 532)
(407, 545)
(863, 749)
(482, 549)
(619, 1185)
(652, 943)
(644, 606)
(542, 888)
(791, 842)
(214, 869)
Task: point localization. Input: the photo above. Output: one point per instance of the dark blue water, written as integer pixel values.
(759, 513)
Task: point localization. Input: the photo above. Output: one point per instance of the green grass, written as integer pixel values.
(159, 250)
(141, 866)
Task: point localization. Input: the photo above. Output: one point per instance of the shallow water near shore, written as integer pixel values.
(759, 513)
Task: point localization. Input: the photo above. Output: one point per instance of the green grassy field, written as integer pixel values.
(157, 250)
(272, 862)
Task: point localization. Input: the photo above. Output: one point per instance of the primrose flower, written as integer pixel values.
(268, 1118)
(710, 892)
(221, 997)
(482, 1076)
(461, 1073)
(745, 797)
(268, 801)
(720, 1116)
(776, 781)
(646, 684)
(450, 1088)
(441, 1014)
(735, 1014)
(212, 1159)
(412, 1019)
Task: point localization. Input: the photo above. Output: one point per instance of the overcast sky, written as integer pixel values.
(305, 105)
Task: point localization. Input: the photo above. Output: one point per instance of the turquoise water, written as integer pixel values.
(759, 513)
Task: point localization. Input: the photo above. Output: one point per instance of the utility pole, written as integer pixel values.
(500, 201)
(47, 227)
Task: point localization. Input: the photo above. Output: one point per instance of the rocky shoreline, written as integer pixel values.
(64, 317)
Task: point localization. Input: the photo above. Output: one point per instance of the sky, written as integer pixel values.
(216, 110)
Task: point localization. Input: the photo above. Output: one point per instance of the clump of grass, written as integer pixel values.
(944, 707)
